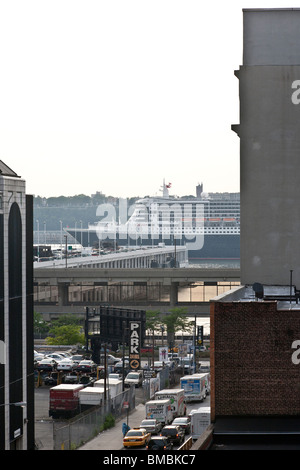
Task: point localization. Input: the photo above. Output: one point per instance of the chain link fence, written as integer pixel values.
(71, 434)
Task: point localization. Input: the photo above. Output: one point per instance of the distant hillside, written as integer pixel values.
(70, 210)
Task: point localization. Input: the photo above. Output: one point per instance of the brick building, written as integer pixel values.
(252, 351)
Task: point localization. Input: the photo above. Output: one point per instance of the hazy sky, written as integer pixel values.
(116, 95)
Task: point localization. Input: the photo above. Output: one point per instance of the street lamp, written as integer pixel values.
(38, 231)
(61, 239)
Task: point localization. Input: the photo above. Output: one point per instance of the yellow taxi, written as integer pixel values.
(136, 437)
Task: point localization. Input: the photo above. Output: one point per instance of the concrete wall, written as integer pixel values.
(271, 36)
(270, 147)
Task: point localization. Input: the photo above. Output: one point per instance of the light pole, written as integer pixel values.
(45, 233)
(61, 239)
(81, 237)
(66, 248)
(38, 230)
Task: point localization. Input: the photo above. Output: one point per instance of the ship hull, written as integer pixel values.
(215, 246)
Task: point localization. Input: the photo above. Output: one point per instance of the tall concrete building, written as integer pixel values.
(16, 313)
(269, 88)
(255, 329)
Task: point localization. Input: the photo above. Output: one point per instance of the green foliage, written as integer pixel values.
(66, 319)
(39, 325)
(175, 320)
(65, 335)
(108, 423)
(153, 320)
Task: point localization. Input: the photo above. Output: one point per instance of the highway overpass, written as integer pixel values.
(65, 290)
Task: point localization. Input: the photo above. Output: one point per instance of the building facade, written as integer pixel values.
(16, 319)
(269, 89)
(255, 329)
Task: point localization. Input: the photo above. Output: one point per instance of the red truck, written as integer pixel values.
(64, 400)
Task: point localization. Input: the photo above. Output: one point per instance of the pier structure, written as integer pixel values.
(134, 258)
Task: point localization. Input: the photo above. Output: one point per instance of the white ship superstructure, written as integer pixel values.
(209, 225)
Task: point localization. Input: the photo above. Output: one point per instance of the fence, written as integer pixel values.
(72, 433)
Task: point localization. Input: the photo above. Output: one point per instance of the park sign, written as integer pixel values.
(134, 345)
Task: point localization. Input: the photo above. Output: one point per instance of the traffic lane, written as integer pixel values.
(195, 405)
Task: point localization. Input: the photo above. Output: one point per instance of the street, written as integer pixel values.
(44, 424)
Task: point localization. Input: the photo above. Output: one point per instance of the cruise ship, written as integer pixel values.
(207, 224)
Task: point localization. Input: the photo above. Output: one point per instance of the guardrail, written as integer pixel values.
(187, 444)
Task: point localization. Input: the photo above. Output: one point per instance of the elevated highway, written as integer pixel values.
(167, 276)
(154, 287)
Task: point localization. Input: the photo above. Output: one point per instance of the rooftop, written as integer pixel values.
(287, 297)
(6, 171)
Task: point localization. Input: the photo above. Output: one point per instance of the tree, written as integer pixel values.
(66, 335)
(174, 321)
(40, 326)
(153, 320)
(66, 319)
(152, 323)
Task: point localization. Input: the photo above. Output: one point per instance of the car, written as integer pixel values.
(120, 363)
(184, 423)
(152, 425)
(56, 356)
(86, 366)
(110, 359)
(204, 367)
(133, 378)
(118, 367)
(159, 443)
(38, 356)
(52, 379)
(47, 364)
(136, 437)
(86, 381)
(71, 378)
(115, 376)
(77, 358)
(65, 355)
(66, 364)
(174, 433)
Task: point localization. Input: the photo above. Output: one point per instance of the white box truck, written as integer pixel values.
(160, 410)
(195, 387)
(200, 420)
(91, 396)
(114, 386)
(176, 397)
(207, 380)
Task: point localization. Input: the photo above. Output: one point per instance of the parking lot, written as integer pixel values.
(44, 424)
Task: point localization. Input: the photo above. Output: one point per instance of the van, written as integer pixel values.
(133, 378)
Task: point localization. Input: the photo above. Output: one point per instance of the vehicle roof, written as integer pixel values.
(67, 387)
(158, 401)
(137, 430)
